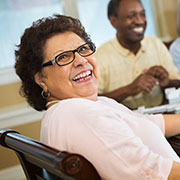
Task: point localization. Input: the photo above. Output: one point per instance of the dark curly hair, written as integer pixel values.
(30, 53)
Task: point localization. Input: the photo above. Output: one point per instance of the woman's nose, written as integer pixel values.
(79, 60)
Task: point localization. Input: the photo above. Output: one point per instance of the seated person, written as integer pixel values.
(124, 60)
(175, 52)
(175, 46)
(56, 64)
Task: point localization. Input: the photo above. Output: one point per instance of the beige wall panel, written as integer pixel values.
(8, 157)
(164, 12)
(170, 9)
(9, 95)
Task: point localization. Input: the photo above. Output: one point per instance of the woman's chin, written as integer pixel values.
(89, 93)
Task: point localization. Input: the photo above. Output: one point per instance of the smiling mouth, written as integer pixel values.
(82, 76)
(138, 29)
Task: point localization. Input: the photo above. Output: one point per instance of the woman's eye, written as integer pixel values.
(63, 57)
(83, 49)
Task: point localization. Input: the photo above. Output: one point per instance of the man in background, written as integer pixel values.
(175, 46)
(134, 68)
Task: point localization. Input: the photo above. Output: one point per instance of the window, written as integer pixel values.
(15, 16)
(151, 29)
(93, 15)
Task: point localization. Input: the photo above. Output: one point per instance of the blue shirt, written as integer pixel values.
(175, 52)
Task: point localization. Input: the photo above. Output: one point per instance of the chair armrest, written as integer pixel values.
(40, 161)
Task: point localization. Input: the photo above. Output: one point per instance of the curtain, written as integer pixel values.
(178, 19)
(164, 12)
(160, 21)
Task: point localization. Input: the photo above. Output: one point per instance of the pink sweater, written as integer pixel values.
(120, 143)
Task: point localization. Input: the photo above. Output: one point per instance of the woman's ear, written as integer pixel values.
(113, 21)
(39, 79)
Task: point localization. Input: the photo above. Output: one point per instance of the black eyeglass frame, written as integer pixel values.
(52, 62)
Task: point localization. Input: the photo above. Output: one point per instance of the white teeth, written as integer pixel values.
(138, 29)
(82, 75)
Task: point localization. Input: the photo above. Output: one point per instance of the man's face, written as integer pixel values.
(130, 22)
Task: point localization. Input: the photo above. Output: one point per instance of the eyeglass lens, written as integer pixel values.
(67, 57)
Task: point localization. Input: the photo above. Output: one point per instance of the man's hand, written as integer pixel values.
(144, 82)
(160, 73)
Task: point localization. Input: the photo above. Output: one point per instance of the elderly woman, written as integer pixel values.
(59, 74)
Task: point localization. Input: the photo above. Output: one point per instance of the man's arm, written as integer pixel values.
(174, 83)
(119, 94)
(144, 82)
(156, 75)
(162, 75)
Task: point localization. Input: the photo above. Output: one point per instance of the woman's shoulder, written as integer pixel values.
(76, 102)
(73, 105)
(70, 110)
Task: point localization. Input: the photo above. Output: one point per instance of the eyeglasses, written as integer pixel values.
(68, 57)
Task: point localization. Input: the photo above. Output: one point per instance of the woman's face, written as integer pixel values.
(77, 79)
